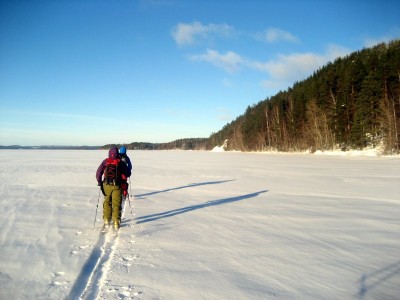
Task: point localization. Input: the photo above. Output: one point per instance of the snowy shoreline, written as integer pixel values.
(368, 152)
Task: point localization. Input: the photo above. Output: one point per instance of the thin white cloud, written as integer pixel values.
(287, 69)
(230, 61)
(393, 34)
(284, 66)
(274, 84)
(273, 35)
(290, 66)
(189, 34)
(283, 71)
(371, 42)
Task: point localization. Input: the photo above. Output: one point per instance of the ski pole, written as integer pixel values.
(130, 206)
(130, 190)
(130, 186)
(97, 208)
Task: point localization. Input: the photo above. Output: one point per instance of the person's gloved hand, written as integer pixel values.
(100, 184)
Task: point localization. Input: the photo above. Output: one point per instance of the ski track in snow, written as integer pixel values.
(208, 226)
(90, 280)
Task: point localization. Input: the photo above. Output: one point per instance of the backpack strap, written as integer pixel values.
(111, 171)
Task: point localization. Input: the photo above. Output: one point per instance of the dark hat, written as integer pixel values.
(113, 153)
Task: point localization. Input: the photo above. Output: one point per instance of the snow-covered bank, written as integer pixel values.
(376, 151)
(204, 226)
(369, 151)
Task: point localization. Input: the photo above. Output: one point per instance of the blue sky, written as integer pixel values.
(81, 72)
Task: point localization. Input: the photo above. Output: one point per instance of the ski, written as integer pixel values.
(116, 229)
(109, 228)
(105, 228)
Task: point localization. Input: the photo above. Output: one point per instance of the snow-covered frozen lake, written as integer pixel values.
(202, 225)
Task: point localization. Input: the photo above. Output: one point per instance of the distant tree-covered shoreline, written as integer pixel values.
(351, 103)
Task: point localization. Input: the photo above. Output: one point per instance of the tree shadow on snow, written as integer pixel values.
(182, 187)
(371, 280)
(174, 212)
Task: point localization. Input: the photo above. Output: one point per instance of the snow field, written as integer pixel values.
(204, 225)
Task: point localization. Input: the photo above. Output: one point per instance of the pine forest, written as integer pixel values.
(351, 103)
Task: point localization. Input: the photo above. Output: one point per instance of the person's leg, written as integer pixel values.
(116, 206)
(107, 203)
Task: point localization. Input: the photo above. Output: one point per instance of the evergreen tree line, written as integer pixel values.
(351, 103)
(181, 144)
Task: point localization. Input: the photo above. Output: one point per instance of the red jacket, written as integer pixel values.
(123, 170)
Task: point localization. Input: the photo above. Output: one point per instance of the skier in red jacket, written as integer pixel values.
(110, 175)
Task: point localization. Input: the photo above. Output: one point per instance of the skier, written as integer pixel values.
(125, 158)
(111, 173)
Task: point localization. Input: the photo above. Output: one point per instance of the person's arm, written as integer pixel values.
(126, 170)
(99, 173)
(129, 164)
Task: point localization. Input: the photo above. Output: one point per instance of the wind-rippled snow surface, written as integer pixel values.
(201, 225)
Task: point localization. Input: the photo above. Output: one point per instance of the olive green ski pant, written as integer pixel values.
(112, 202)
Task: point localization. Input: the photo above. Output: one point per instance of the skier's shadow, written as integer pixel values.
(183, 187)
(371, 280)
(174, 212)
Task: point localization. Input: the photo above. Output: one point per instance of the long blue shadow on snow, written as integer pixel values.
(183, 187)
(371, 280)
(174, 212)
(87, 270)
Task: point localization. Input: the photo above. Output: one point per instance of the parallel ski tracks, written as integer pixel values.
(89, 281)
(93, 273)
